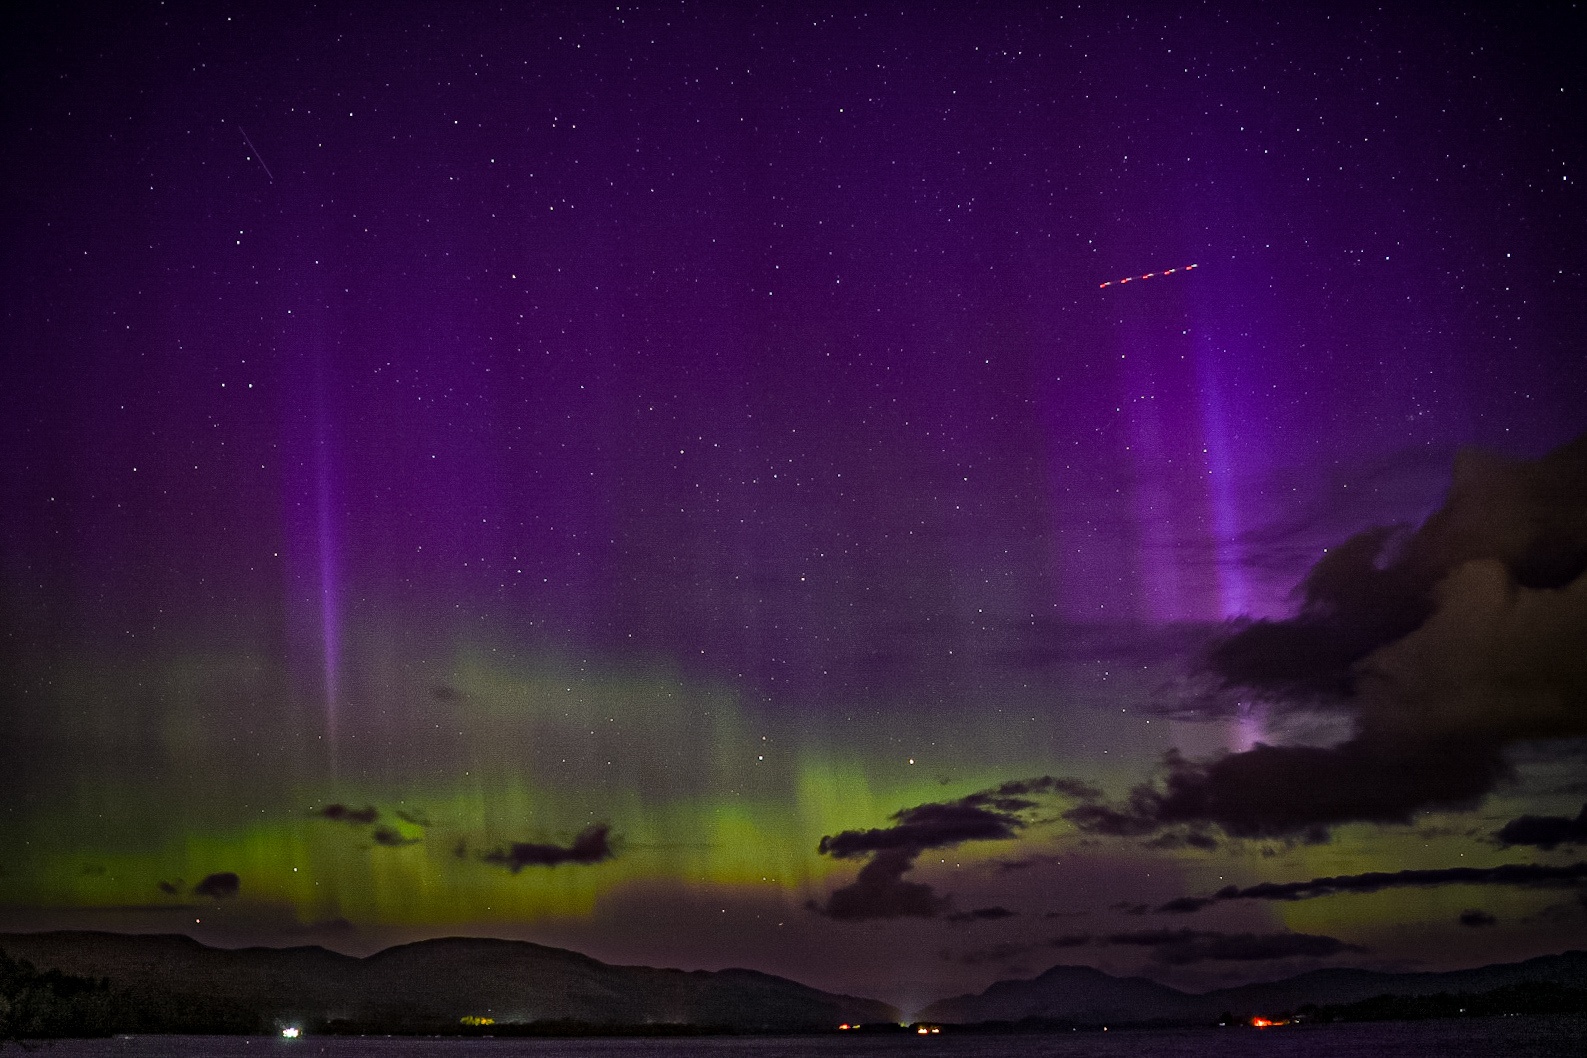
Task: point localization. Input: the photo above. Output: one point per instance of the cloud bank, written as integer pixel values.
(1531, 875)
(1544, 832)
(1183, 947)
(880, 891)
(219, 886)
(1177, 947)
(590, 845)
(1444, 646)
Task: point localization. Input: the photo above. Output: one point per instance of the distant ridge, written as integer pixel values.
(1087, 995)
(437, 983)
(433, 984)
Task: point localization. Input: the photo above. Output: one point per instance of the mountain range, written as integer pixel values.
(1084, 994)
(432, 984)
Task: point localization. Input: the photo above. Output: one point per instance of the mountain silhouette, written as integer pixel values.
(1087, 995)
(438, 983)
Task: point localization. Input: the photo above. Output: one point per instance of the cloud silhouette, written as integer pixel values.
(1443, 646)
(927, 826)
(989, 815)
(391, 838)
(1476, 918)
(879, 890)
(1070, 940)
(339, 813)
(220, 885)
(1183, 947)
(590, 845)
(1544, 832)
(997, 953)
(983, 914)
(1528, 875)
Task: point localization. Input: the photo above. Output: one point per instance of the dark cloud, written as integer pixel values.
(927, 826)
(591, 845)
(417, 819)
(1544, 832)
(1476, 918)
(391, 838)
(1193, 839)
(169, 888)
(879, 890)
(339, 813)
(1532, 875)
(1272, 791)
(1075, 788)
(983, 914)
(1182, 947)
(1444, 647)
(1564, 911)
(1070, 940)
(996, 953)
(990, 815)
(1026, 862)
(219, 885)
(1351, 607)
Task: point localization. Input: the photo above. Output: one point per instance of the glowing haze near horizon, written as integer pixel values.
(709, 426)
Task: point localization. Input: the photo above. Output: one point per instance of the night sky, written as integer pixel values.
(689, 483)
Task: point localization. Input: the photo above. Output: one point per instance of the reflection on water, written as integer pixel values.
(1518, 1037)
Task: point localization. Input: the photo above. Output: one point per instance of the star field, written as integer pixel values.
(630, 448)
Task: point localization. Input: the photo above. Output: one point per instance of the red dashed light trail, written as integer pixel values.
(1148, 275)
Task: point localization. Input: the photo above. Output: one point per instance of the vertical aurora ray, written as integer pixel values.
(1234, 596)
(312, 530)
(1234, 589)
(1166, 456)
(1233, 593)
(329, 573)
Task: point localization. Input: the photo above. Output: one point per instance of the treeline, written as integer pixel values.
(35, 1005)
(48, 1004)
(1532, 997)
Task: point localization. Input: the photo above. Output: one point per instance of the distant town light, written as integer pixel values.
(291, 1032)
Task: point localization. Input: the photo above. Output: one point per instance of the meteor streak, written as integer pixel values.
(256, 155)
(1148, 275)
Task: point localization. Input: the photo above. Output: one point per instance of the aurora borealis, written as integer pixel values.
(668, 481)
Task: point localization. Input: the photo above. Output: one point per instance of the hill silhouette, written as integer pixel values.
(1083, 994)
(432, 984)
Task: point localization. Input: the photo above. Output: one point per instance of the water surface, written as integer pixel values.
(1520, 1037)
